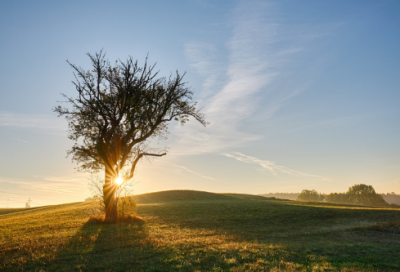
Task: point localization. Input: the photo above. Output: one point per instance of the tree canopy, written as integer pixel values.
(310, 195)
(118, 109)
(365, 195)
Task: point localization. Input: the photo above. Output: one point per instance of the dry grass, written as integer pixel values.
(129, 218)
(201, 233)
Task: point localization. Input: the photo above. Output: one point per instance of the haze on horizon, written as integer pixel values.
(299, 95)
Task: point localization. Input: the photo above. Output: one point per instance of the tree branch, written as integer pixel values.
(137, 160)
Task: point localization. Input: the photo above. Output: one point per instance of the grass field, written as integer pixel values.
(200, 231)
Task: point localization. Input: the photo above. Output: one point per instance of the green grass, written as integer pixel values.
(200, 231)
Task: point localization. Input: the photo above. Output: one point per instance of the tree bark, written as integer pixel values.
(110, 201)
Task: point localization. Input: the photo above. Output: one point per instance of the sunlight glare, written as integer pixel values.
(118, 180)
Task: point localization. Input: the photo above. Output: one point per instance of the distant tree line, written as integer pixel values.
(359, 194)
(290, 196)
(392, 198)
(311, 195)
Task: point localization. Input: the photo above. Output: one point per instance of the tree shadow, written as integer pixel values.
(94, 244)
(133, 247)
(227, 236)
(307, 235)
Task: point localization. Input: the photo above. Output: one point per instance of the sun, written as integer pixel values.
(118, 180)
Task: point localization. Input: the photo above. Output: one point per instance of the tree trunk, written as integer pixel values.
(110, 201)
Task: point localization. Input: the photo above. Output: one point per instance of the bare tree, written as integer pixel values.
(118, 109)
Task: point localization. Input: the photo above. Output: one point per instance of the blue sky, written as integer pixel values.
(299, 94)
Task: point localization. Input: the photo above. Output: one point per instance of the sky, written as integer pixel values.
(298, 94)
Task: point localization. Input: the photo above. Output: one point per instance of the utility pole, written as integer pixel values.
(28, 203)
(8, 199)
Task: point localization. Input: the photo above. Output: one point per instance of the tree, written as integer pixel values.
(365, 195)
(119, 108)
(338, 198)
(310, 195)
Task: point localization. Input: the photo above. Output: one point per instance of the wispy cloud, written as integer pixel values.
(63, 179)
(271, 166)
(8, 194)
(61, 185)
(202, 58)
(40, 121)
(50, 188)
(229, 87)
(193, 172)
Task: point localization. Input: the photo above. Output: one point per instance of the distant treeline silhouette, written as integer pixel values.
(290, 196)
(392, 198)
(359, 194)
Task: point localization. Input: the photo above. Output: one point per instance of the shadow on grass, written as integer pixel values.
(310, 236)
(96, 245)
(128, 247)
(228, 236)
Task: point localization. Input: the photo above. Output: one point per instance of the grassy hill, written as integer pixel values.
(201, 231)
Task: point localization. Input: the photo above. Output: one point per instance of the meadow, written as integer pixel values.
(201, 231)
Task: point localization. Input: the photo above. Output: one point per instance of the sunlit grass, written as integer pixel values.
(198, 231)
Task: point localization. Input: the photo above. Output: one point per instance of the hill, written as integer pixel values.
(180, 195)
(201, 231)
